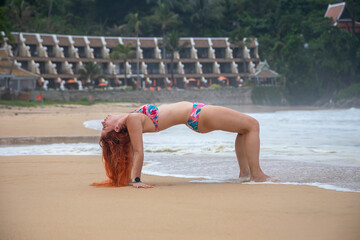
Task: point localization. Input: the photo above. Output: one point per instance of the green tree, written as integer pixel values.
(166, 18)
(5, 26)
(90, 72)
(205, 16)
(134, 24)
(123, 52)
(20, 14)
(172, 44)
(298, 42)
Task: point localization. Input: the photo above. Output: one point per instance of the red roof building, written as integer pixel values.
(341, 17)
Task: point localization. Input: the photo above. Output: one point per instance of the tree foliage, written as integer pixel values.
(173, 45)
(123, 52)
(315, 57)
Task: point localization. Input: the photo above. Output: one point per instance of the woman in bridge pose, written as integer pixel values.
(122, 143)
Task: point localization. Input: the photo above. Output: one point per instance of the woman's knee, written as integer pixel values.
(253, 124)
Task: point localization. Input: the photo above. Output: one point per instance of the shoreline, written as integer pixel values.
(149, 169)
(44, 122)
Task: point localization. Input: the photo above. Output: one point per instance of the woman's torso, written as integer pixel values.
(168, 115)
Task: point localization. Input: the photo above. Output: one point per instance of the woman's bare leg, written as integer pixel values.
(252, 148)
(241, 155)
(225, 119)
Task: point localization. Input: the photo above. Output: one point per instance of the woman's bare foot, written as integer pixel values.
(264, 178)
(244, 176)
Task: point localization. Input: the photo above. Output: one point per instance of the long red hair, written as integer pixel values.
(117, 158)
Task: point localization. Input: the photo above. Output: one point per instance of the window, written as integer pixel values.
(220, 52)
(203, 52)
(58, 67)
(168, 54)
(185, 53)
(189, 68)
(97, 52)
(243, 67)
(252, 53)
(207, 67)
(134, 68)
(42, 68)
(238, 53)
(66, 51)
(51, 82)
(175, 68)
(119, 68)
(33, 50)
(81, 52)
(50, 50)
(148, 53)
(104, 68)
(153, 68)
(73, 67)
(225, 67)
(14, 50)
(24, 65)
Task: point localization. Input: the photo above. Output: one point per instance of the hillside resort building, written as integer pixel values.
(57, 59)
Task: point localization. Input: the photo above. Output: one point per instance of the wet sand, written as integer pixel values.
(49, 197)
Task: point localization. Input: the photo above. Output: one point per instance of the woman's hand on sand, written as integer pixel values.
(142, 185)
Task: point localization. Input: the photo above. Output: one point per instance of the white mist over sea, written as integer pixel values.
(320, 148)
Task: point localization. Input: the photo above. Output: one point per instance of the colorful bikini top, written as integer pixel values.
(152, 112)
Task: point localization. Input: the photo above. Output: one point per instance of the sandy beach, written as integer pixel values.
(49, 197)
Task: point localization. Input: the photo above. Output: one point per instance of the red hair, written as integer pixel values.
(117, 158)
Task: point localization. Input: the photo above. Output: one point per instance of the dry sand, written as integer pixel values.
(49, 197)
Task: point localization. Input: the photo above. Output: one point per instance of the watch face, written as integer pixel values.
(137, 179)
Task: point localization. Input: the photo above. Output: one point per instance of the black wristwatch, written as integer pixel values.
(137, 180)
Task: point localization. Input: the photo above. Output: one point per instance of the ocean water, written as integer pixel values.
(319, 148)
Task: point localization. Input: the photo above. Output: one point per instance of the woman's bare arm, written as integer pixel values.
(135, 127)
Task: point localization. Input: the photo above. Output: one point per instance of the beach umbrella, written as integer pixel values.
(102, 84)
(191, 79)
(221, 78)
(71, 81)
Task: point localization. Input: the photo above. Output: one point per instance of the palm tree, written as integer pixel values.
(172, 44)
(165, 18)
(134, 24)
(123, 52)
(90, 71)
